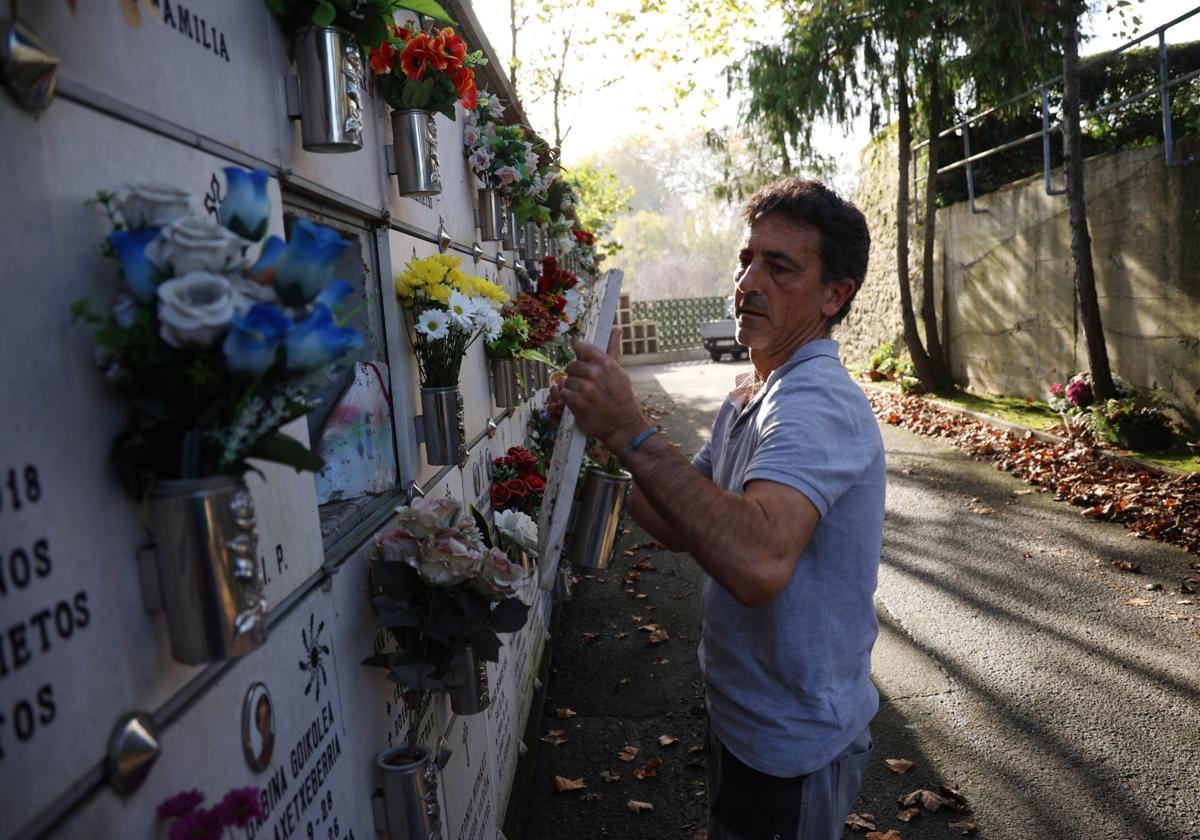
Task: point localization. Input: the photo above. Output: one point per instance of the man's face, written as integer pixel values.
(779, 299)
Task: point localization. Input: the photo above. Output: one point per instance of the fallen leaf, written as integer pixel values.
(1188, 585)
(961, 829)
(591, 796)
(1022, 492)
(645, 565)
(628, 552)
(900, 766)
(1127, 566)
(631, 578)
(588, 638)
(555, 737)
(562, 785)
(620, 635)
(927, 799)
(661, 660)
(861, 822)
(624, 681)
(610, 776)
(637, 807)
(659, 635)
(696, 748)
(562, 713)
(641, 596)
(648, 628)
(628, 753)
(667, 740)
(1138, 602)
(954, 795)
(890, 834)
(650, 768)
(908, 814)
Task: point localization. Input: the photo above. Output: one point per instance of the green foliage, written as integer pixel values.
(1132, 422)
(369, 21)
(883, 359)
(602, 198)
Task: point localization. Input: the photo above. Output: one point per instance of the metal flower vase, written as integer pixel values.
(525, 369)
(598, 518)
(467, 683)
(491, 215)
(529, 241)
(330, 69)
(207, 567)
(504, 382)
(415, 152)
(508, 241)
(406, 804)
(442, 422)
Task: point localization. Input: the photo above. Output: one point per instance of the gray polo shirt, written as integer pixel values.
(789, 684)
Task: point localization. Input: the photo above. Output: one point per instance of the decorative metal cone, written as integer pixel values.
(27, 66)
(330, 67)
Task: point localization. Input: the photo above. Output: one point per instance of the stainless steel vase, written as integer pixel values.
(468, 683)
(414, 146)
(442, 420)
(408, 790)
(208, 572)
(504, 383)
(330, 67)
(598, 518)
(529, 241)
(508, 241)
(491, 215)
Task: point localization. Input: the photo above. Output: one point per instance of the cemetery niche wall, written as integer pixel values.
(99, 723)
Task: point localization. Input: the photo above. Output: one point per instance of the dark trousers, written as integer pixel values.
(745, 804)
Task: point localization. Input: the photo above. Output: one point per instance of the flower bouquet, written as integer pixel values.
(420, 74)
(369, 22)
(505, 352)
(518, 482)
(189, 821)
(502, 158)
(444, 590)
(216, 345)
(449, 309)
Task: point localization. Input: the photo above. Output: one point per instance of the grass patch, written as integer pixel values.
(1032, 414)
(1178, 457)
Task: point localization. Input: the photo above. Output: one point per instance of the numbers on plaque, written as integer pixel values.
(23, 488)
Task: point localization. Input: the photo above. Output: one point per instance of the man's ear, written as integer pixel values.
(837, 292)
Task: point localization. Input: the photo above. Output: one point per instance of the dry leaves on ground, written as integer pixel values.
(628, 753)
(861, 822)
(908, 814)
(555, 737)
(899, 766)
(588, 638)
(650, 768)
(610, 776)
(1155, 506)
(961, 829)
(658, 636)
(890, 834)
(644, 565)
(562, 784)
(667, 740)
(1139, 602)
(637, 807)
(562, 713)
(927, 799)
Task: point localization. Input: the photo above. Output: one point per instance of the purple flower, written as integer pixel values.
(240, 806)
(199, 824)
(180, 804)
(1079, 391)
(1057, 389)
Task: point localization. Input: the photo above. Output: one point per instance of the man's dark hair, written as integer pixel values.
(842, 230)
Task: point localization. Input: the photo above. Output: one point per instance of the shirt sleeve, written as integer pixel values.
(820, 441)
(702, 460)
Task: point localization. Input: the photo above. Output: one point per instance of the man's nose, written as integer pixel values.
(749, 280)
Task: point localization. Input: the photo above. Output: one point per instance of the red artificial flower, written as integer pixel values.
(384, 58)
(403, 31)
(500, 495)
(464, 83)
(452, 48)
(517, 487)
(521, 455)
(417, 56)
(536, 484)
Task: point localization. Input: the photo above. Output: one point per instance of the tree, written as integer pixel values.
(1081, 240)
(602, 198)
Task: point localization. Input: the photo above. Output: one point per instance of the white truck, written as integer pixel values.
(718, 336)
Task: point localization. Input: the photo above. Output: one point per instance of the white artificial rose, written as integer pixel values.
(196, 243)
(246, 293)
(195, 309)
(152, 205)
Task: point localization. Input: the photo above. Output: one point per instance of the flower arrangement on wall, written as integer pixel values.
(190, 821)
(426, 71)
(441, 584)
(368, 21)
(448, 309)
(216, 338)
(518, 482)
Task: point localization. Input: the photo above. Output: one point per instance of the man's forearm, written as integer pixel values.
(727, 533)
(643, 514)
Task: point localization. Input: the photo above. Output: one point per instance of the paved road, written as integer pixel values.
(1009, 662)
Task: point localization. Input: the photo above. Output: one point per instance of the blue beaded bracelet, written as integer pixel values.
(637, 441)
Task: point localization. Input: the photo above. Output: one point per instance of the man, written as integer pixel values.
(783, 510)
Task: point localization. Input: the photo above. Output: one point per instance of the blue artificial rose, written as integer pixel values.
(318, 340)
(271, 251)
(333, 294)
(246, 209)
(139, 272)
(255, 337)
(307, 263)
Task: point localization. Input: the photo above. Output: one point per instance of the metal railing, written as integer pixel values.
(1163, 89)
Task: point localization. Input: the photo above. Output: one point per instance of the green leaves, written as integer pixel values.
(509, 616)
(324, 14)
(282, 449)
(429, 8)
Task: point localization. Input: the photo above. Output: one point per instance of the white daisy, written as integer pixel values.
(433, 324)
(462, 311)
(493, 322)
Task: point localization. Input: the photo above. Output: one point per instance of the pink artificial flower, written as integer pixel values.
(507, 175)
(180, 804)
(240, 806)
(1057, 389)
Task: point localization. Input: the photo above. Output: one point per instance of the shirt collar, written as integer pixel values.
(809, 350)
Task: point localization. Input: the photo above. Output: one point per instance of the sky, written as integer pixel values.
(641, 101)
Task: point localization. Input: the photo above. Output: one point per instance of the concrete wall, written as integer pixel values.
(1006, 294)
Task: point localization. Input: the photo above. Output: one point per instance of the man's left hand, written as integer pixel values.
(599, 394)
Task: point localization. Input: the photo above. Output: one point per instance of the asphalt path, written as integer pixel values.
(1012, 664)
